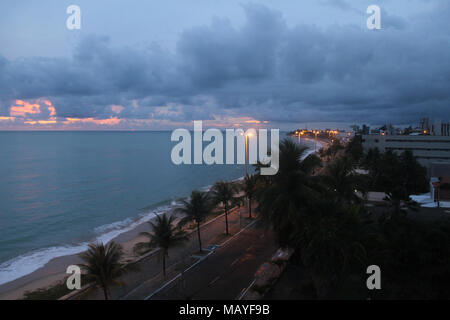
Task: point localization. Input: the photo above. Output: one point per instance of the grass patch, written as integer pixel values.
(53, 292)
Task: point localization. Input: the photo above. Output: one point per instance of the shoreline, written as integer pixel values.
(53, 271)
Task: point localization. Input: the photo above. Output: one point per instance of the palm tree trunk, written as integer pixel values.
(250, 208)
(199, 239)
(105, 292)
(226, 220)
(164, 265)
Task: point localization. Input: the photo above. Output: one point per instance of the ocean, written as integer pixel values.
(60, 191)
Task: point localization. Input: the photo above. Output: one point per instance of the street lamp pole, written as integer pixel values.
(315, 141)
(246, 155)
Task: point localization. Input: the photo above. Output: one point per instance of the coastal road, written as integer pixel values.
(222, 275)
(227, 272)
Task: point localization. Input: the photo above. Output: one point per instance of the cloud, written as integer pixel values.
(261, 71)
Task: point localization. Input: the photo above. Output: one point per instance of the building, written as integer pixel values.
(427, 149)
(445, 129)
(425, 125)
(440, 129)
(440, 181)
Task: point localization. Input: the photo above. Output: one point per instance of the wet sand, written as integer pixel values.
(54, 270)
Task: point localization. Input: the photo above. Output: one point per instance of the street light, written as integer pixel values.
(299, 136)
(315, 141)
(247, 135)
(246, 153)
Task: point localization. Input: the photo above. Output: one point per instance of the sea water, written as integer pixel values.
(60, 191)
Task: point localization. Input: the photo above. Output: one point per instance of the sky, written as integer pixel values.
(159, 65)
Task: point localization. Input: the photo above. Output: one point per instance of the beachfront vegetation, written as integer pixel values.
(340, 178)
(165, 235)
(284, 198)
(332, 150)
(224, 193)
(102, 264)
(336, 237)
(52, 292)
(390, 170)
(196, 209)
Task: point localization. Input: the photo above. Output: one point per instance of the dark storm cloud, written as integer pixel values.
(264, 69)
(217, 54)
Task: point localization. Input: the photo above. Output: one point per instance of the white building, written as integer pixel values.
(427, 149)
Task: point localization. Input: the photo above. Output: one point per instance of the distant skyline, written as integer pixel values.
(159, 65)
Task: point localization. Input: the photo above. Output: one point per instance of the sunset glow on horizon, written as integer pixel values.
(41, 114)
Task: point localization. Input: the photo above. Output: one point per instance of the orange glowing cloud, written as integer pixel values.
(51, 109)
(6, 118)
(116, 108)
(224, 122)
(22, 108)
(111, 121)
(40, 122)
(252, 121)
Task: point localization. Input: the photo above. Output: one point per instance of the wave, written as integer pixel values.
(30, 262)
(27, 263)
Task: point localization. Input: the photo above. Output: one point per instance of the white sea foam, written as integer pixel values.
(30, 262)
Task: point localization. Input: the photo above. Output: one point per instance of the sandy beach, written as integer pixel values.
(54, 271)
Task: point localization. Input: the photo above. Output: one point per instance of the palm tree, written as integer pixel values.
(196, 208)
(223, 192)
(399, 204)
(249, 187)
(354, 149)
(342, 181)
(414, 174)
(290, 193)
(164, 236)
(334, 243)
(102, 264)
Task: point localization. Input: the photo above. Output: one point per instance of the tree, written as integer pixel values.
(165, 235)
(342, 181)
(249, 187)
(354, 149)
(224, 192)
(292, 191)
(415, 175)
(399, 204)
(333, 149)
(196, 209)
(333, 243)
(102, 264)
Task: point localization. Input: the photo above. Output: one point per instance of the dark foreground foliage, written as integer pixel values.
(336, 237)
